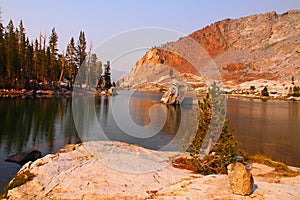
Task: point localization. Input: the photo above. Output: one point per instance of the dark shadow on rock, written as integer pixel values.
(24, 157)
(255, 187)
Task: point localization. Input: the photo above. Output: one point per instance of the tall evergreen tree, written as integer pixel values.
(11, 41)
(107, 79)
(2, 55)
(95, 69)
(53, 40)
(28, 67)
(81, 48)
(72, 62)
(22, 50)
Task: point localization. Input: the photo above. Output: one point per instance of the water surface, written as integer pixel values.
(271, 128)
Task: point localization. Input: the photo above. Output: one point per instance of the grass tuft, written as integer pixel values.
(18, 180)
(281, 169)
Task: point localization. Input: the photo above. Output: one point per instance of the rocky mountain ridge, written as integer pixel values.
(260, 47)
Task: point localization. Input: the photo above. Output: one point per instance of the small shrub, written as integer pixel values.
(295, 91)
(265, 92)
(225, 150)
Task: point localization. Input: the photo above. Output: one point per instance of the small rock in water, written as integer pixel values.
(24, 157)
(240, 178)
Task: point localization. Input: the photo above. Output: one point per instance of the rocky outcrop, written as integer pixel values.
(264, 46)
(174, 95)
(240, 178)
(86, 171)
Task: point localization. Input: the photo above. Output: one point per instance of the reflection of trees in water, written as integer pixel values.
(26, 123)
(102, 108)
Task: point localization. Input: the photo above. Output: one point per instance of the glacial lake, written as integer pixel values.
(47, 124)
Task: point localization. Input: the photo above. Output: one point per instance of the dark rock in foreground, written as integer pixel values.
(24, 157)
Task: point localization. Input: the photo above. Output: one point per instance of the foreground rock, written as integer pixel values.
(241, 180)
(74, 173)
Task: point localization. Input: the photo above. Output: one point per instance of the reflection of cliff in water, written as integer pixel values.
(173, 119)
(140, 109)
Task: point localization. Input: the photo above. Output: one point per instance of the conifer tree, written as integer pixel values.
(11, 46)
(71, 61)
(81, 48)
(107, 79)
(22, 50)
(2, 55)
(53, 39)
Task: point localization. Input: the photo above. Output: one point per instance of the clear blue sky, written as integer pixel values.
(102, 19)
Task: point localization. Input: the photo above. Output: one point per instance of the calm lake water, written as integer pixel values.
(271, 128)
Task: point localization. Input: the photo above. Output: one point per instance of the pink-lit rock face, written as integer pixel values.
(75, 173)
(264, 46)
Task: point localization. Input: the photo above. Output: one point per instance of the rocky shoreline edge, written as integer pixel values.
(101, 170)
(5, 93)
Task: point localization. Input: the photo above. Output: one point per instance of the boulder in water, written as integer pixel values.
(174, 95)
(24, 157)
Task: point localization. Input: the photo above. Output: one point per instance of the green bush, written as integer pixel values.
(265, 92)
(225, 150)
(295, 91)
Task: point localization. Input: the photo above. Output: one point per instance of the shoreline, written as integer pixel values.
(5, 93)
(254, 98)
(68, 175)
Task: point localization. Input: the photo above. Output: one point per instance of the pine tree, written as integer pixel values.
(12, 64)
(81, 48)
(53, 39)
(107, 79)
(94, 69)
(2, 56)
(28, 68)
(22, 50)
(71, 61)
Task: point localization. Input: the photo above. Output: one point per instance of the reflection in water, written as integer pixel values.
(270, 128)
(43, 124)
(140, 114)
